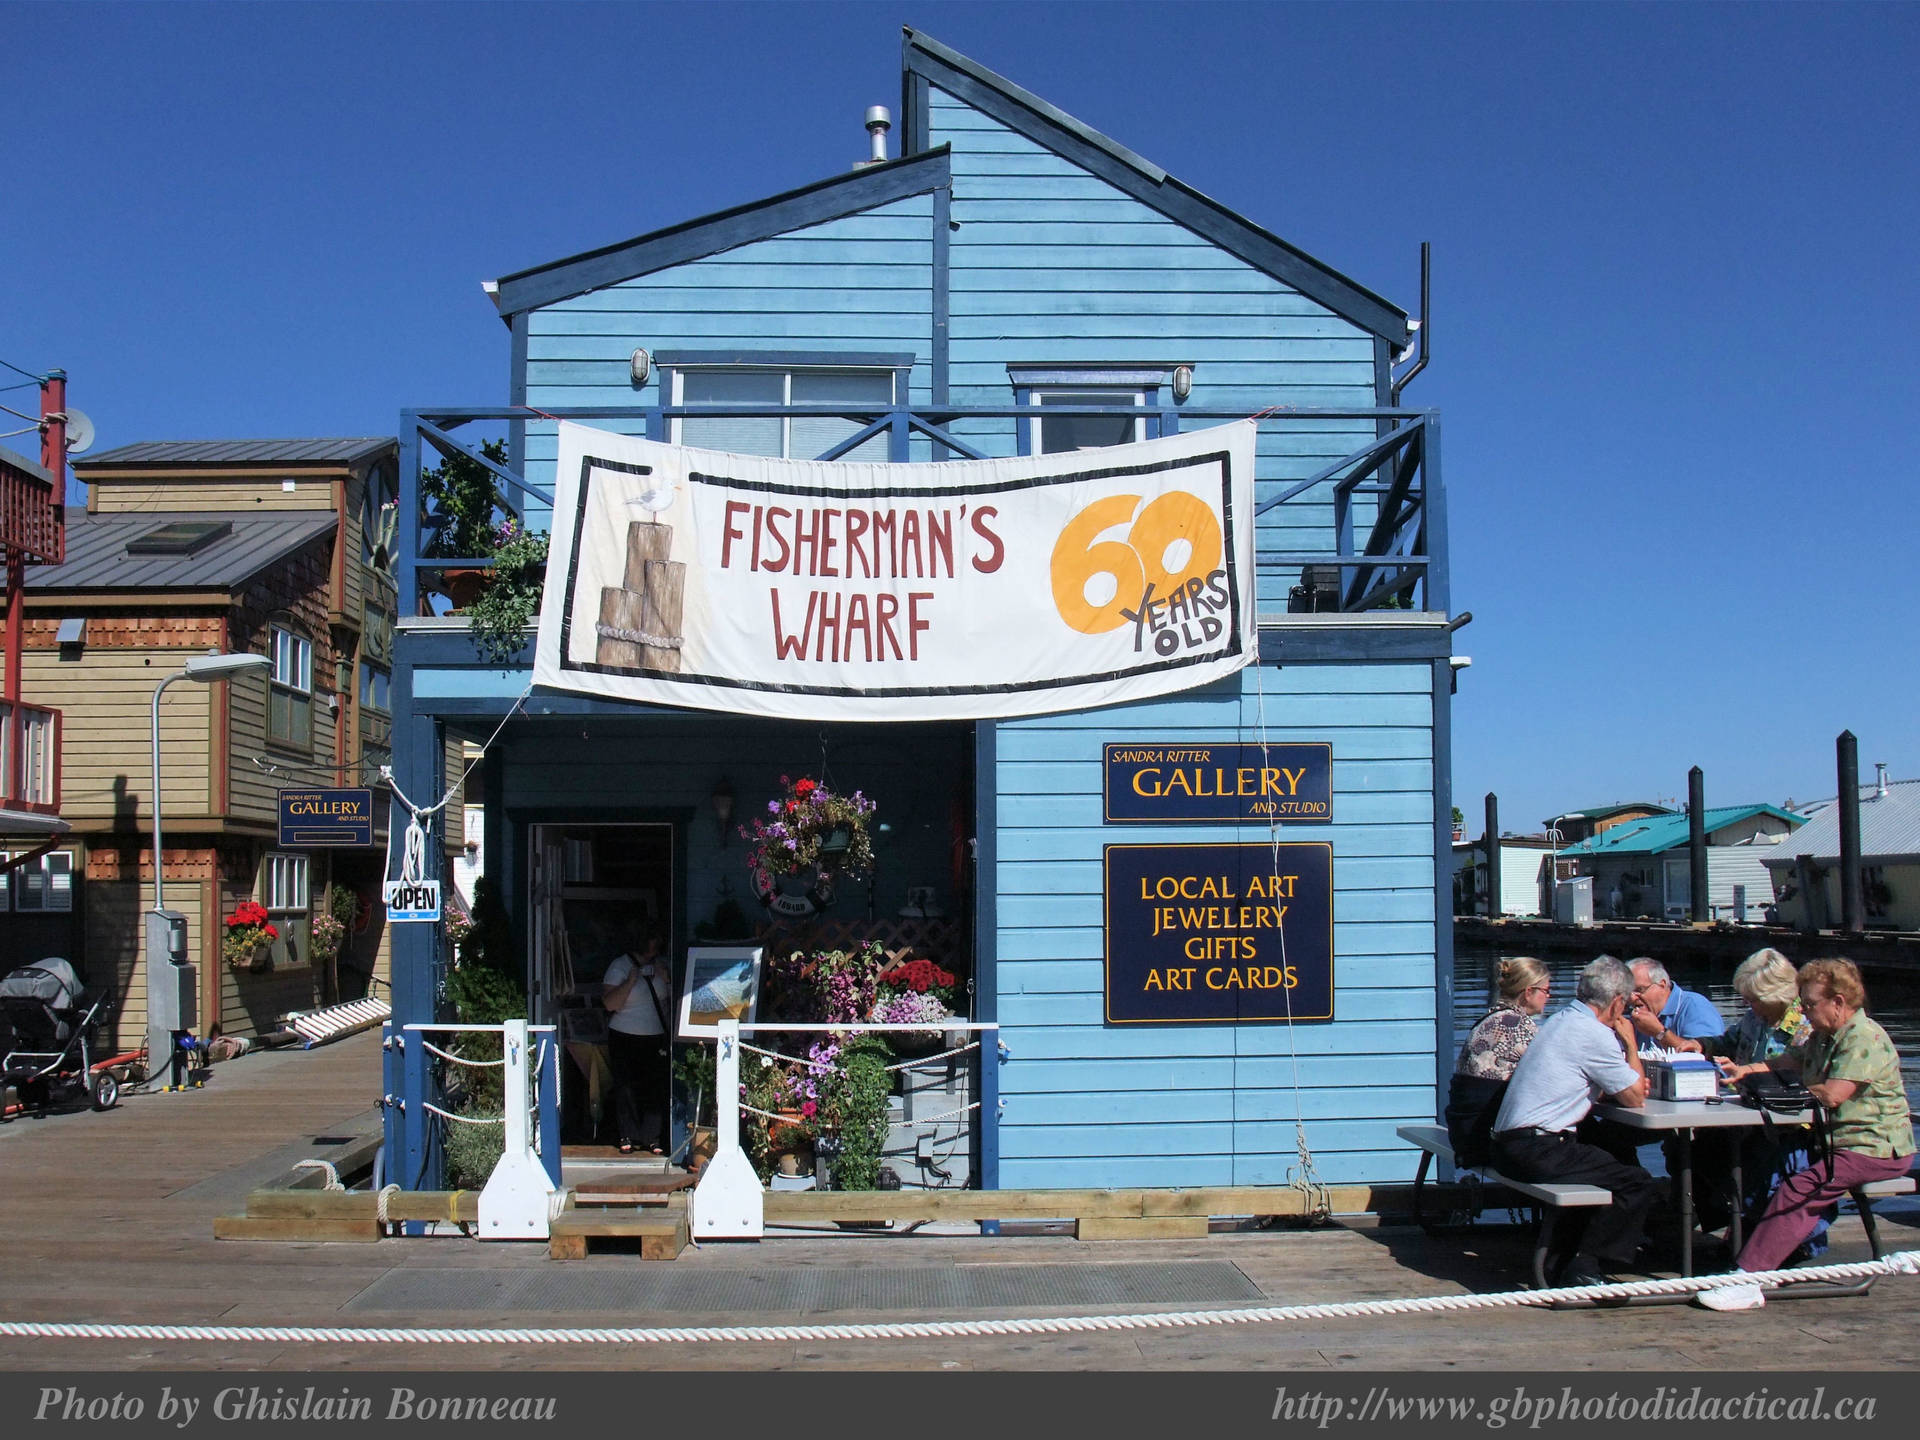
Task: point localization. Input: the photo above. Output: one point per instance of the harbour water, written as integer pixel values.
(1892, 1000)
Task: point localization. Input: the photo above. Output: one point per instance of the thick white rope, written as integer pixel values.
(1906, 1262)
(325, 1167)
(929, 1059)
(387, 1192)
(462, 1119)
(459, 1060)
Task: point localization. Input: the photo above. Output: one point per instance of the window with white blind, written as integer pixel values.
(793, 437)
(287, 891)
(290, 690)
(44, 885)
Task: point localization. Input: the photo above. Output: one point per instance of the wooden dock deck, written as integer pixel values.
(111, 1218)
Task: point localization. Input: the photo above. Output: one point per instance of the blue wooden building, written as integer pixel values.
(1013, 283)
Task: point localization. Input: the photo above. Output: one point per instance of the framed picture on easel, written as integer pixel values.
(722, 983)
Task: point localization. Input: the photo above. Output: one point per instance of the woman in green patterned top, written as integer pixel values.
(1851, 1067)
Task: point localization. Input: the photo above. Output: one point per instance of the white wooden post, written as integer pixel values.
(517, 1200)
(728, 1203)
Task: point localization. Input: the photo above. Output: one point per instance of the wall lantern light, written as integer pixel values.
(1182, 381)
(722, 802)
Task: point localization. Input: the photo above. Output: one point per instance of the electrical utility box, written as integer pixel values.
(172, 983)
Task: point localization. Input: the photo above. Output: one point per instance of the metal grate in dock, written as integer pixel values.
(635, 1289)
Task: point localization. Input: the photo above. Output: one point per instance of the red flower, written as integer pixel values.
(804, 788)
(248, 912)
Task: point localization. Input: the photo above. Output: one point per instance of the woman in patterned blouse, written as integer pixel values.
(1492, 1049)
(1496, 1044)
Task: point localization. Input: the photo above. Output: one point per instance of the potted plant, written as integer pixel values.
(329, 930)
(247, 945)
(808, 834)
(461, 497)
(499, 615)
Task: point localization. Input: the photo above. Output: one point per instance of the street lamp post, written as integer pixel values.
(169, 990)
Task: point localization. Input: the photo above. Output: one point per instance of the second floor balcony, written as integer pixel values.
(1350, 515)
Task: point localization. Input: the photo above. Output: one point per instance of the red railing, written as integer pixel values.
(29, 758)
(32, 516)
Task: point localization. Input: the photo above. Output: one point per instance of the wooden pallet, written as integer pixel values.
(660, 1229)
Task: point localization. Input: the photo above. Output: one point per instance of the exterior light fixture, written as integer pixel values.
(1182, 381)
(722, 802)
(641, 368)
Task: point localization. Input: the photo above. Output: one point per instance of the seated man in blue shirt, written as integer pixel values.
(1667, 1016)
(1581, 1053)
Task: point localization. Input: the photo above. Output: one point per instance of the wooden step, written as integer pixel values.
(296, 1227)
(662, 1236)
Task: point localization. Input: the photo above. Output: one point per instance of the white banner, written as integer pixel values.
(811, 590)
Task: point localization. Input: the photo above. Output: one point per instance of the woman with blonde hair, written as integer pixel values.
(1491, 1050)
(1770, 985)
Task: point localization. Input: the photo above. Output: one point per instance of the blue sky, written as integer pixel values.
(1673, 253)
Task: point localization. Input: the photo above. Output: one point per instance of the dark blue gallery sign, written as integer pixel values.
(1220, 933)
(326, 817)
(1183, 782)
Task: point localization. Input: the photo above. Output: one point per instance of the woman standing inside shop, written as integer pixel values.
(636, 997)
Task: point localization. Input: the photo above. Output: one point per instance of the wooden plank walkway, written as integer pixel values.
(110, 1217)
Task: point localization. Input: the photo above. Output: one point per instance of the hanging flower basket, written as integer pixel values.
(807, 836)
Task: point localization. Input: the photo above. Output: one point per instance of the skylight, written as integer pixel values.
(180, 537)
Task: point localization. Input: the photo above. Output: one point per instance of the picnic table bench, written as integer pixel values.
(1548, 1198)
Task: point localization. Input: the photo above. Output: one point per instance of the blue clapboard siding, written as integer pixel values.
(1051, 264)
(863, 282)
(1090, 1104)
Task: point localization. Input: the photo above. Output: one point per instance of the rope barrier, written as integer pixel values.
(462, 1119)
(1906, 1262)
(929, 1059)
(460, 1060)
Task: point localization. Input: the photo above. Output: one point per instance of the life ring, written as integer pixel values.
(794, 903)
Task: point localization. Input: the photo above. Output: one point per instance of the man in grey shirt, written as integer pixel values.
(1584, 1052)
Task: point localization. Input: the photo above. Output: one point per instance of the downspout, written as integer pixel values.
(1423, 327)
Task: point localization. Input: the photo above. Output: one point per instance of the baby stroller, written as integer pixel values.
(47, 1030)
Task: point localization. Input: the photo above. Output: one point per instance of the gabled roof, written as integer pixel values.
(1046, 125)
(1601, 812)
(1889, 826)
(815, 204)
(325, 451)
(1666, 832)
(97, 557)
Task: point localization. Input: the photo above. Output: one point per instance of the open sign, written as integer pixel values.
(413, 899)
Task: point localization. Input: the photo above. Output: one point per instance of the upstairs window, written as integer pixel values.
(290, 690)
(376, 688)
(791, 437)
(1140, 388)
(1062, 434)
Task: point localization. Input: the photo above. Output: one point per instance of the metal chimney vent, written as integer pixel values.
(879, 121)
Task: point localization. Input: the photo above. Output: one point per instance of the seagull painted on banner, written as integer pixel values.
(658, 496)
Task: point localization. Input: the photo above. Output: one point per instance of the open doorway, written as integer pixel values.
(597, 892)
